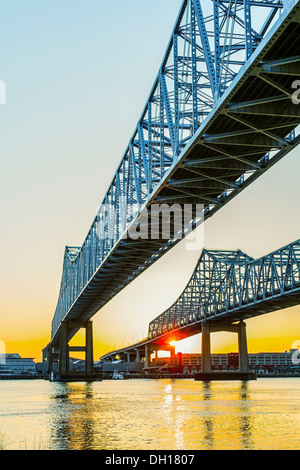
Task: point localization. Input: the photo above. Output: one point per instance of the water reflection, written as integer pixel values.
(149, 414)
(174, 415)
(207, 390)
(245, 417)
(2, 441)
(208, 422)
(183, 423)
(74, 422)
(82, 421)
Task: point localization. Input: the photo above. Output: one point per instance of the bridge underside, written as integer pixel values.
(272, 305)
(232, 323)
(248, 131)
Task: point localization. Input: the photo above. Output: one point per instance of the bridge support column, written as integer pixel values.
(148, 353)
(138, 355)
(239, 328)
(206, 358)
(50, 359)
(243, 349)
(89, 356)
(64, 349)
(67, 332)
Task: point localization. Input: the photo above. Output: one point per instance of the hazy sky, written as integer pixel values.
(78, 74)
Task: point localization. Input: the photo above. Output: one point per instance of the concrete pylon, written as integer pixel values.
(148, 353)
(239, 328)
(89, 355)
(243, 348)
(138, 355)
(65, 349)
(206, 355)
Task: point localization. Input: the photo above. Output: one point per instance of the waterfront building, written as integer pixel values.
(264, 362)
(15, 364)
(272, 359)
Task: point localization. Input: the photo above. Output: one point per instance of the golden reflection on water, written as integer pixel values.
(206, 424)
(74, 418)
(151, 414)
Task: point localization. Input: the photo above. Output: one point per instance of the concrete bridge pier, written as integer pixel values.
(154, 348)
(239, 328)
(148, 353)
(243, 348)
(206, 353)
(140, 353)
(64, 351)
(206, 372)
(50, 359)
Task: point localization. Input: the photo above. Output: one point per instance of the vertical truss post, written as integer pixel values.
(194, 69)
(81, 271)
(248, 33)
(176, 94)
(93, 254)
(162, 130)
(117, 203)
(217, 48)
(150, 146)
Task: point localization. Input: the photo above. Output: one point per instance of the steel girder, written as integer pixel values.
(218, 116)
(229, 286)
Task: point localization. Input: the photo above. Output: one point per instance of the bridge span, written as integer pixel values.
(222, 111)
(226, 288)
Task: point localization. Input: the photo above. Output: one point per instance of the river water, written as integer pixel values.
(150, 414)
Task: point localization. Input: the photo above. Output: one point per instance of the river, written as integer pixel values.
(150, 414)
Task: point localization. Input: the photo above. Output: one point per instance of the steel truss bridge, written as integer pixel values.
(220, 113)
(231, 286)
(226, 288)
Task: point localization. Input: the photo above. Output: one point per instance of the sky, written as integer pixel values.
(77, 76)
